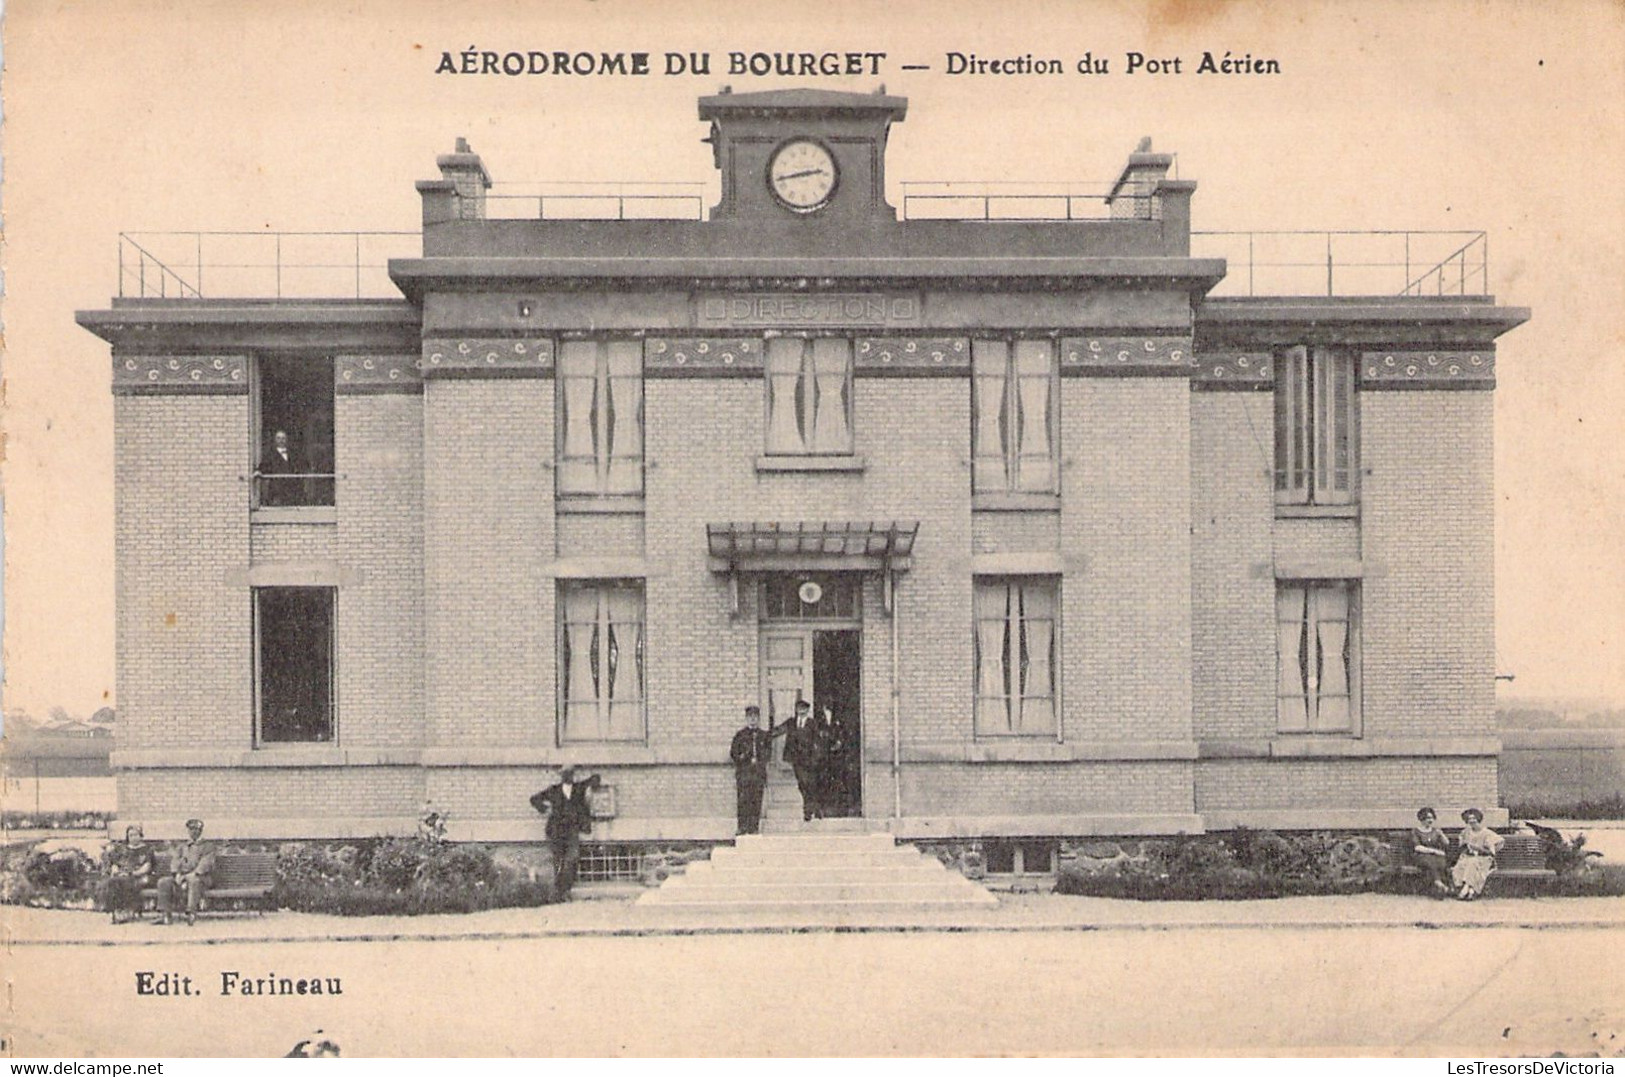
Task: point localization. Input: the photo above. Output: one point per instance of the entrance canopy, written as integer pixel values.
(803, 546)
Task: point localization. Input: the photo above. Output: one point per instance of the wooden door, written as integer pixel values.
(787, 673)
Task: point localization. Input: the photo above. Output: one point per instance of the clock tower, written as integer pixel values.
(801, 155)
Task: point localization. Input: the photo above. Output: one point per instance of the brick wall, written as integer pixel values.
(599, 535)
(488, 533)
(1427, 512)
(1316, 539)
(183, 632)
(1232, 603)
(676, 792)
(219, 797)
(1016, 532)
(1046, 788)
(1125, 509)
(701, 438)
(1399, 783)
(379, 443)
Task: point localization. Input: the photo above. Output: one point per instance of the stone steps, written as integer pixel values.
(818, 868)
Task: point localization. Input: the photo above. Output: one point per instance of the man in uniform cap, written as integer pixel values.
(190, 865)
(751, 748)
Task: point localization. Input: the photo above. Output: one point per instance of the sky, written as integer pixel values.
(1499, 116)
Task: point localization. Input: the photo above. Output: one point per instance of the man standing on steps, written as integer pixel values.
(804, 750)
(569, 815)
(752, 746)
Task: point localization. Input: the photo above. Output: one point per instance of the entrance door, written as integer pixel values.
(787, 673)
(837, 664)
(821, 666)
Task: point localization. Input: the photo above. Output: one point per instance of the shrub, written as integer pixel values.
(451, 867)
(1609, 807)
(1243, 864)
(66, 871)
(397, 864)
(54, 820)
(1596, 880)
(318, 865)
(1358, 862)
(402, 877)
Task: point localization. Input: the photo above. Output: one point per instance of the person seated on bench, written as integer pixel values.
(1430, 851)
(190, 864)
(1479, 845)
(129, 867)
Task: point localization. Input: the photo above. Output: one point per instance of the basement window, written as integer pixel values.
(1025, 856)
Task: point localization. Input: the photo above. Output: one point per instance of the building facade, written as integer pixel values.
(1067, 545)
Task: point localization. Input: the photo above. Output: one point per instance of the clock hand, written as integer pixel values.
(798, 175)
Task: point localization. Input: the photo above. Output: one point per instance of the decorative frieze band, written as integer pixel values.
(488, 357)
(1126, 356)
(702, 357)
(1428, 369)
(174, 374)
(1251, 370)
(378, 374)
(906, 356)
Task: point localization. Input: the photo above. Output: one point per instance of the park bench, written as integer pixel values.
(237, 879)
(1522, 857)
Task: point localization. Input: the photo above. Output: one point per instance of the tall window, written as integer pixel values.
(601, 660)
(809, 396)
(1315, 438)
(1317, 655)
(293, 664)
(293, 435)
(1013, 433)
(600, 446)
(1016, 656)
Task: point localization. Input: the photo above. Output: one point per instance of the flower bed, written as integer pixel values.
(377, 877)
(1249, 864)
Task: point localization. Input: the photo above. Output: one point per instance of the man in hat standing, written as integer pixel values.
(569, 815)
(751, 748)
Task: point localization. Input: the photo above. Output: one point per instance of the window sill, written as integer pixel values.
(579, 505)
(1317, 512)
(848, 463)
(295, 514)
(1044, 749)
(1352, 745)
(1016, 502)
(271, 755)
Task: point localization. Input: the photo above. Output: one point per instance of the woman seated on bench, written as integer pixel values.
(129, 867)
(1479, 845)
(1430, 851)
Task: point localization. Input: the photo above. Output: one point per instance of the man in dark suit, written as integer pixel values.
(834, 785)
(751, 748)
(279, 462)
(805, 751)
(569, 815)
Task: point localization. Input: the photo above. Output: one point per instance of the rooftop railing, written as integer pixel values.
(281, 265)
(312, 265)
(596, 201)
(1349, 263)
(1019, 201)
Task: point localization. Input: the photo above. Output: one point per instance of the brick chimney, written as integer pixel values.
(1131, 195)
(459, 194)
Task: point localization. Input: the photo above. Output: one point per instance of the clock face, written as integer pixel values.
(802, 175)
